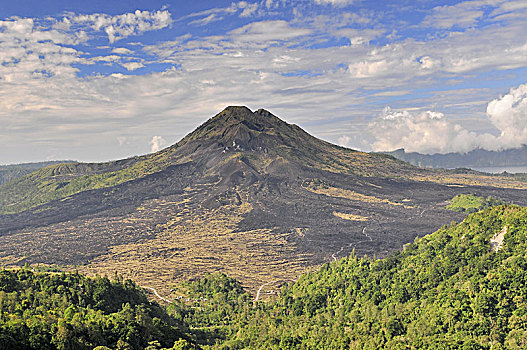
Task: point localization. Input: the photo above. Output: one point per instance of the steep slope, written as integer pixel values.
(452, 289)
(245, 193)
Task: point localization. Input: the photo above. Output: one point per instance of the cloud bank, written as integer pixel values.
(431, 132)
(509, 115)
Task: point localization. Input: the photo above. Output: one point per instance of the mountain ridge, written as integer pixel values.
(476, 158)
(255, 134)
(10, 172)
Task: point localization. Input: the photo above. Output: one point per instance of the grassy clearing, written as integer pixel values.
(330, 191)
(470, 203)
(351, 217)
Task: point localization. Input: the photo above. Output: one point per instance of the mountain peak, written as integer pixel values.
(235, 114)
(242, 126)
(236, 110)
(237, 130)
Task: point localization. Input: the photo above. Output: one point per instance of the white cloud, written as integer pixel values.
(249, 11)
(206, 20)
(28, 50)
(109, 58)
(131, 66)
(121, 26)
(157, 143)
(358, 36)
(243, 8)
(248, 8)
(509, 9)
(432, 132)
(459, 53)
(266, 31)
(122, 51)
(167, 48)
(335, 2)
(369, 69)
(462, 15)
(426, 132)
(428, 62)
(467, 14)
(509, 115)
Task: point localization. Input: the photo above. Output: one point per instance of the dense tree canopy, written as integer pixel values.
(70, 311)
(448, 290)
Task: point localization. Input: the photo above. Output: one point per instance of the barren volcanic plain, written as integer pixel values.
(245, 193)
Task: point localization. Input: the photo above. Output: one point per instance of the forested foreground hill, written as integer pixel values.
(453, 289)
(69, 311)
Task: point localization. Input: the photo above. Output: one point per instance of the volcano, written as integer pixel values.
(245, 193)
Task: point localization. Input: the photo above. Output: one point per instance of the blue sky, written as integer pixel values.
(102, 80)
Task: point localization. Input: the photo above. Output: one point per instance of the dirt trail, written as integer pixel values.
(367, 235)
(157, 295)
(260, 289)
(334, 255)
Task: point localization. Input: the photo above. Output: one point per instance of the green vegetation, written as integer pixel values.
(70, 311)
(470, 203)
(13, 171)
(447, 290)
(217, 305)
(63, 180)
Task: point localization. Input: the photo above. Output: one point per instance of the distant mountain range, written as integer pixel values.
(478, 158)
(246, 194)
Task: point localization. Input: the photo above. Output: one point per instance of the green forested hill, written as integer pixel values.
(448, 290)
(69, 311)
